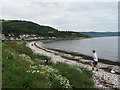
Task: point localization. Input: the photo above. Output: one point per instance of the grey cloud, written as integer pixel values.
(65, 15)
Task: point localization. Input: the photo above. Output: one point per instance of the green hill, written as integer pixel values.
(26, 27)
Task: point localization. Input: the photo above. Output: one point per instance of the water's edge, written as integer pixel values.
(105, 61)
(85, 46)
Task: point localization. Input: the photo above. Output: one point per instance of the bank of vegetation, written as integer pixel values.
(18, 27)
(23, 69)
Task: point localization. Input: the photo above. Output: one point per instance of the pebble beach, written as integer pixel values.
(107, 77)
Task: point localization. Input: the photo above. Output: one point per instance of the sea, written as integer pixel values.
(106, 47)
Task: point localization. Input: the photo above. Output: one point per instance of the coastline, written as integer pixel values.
(61, 39)
(103, 78)
(75, 57)
(105, 61)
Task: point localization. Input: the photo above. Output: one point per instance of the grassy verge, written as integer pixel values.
(78, 77)
(16, 61)
(20, 70)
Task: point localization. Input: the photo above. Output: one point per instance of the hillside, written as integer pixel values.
(101, 34)
(16, 28)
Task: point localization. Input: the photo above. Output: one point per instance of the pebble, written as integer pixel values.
(112, 71)
(98, 76)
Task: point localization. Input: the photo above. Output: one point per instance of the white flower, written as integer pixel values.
(27, 71)
(38, 71)
(51, 72)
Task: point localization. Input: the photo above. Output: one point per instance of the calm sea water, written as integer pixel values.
(106, 47)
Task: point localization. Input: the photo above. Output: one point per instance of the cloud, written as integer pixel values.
(75, 16)
(62, 0)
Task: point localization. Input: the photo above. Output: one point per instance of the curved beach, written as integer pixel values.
(102, 78)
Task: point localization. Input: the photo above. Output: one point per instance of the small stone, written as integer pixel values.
(112, 71)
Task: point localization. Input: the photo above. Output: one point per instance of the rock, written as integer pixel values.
(112, 71)
(102, 78)
(77, 57)
(68, 55)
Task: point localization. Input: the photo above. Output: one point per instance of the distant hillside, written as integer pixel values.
(26, 27)
(101, 34)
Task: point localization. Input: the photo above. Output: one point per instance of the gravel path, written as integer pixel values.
(102, 78)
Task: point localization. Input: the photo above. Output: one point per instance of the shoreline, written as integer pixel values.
(105, 61)
(72, 55)
(102, 78)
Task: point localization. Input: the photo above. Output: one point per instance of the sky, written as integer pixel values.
(64, 16)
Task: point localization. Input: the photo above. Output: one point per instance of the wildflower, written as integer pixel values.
(38, 71)
(26, 71)
(33, 71)
(51, 72)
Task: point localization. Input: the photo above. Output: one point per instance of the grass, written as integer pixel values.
(18, 47)
(0, 63)
(78, 77)
(21, 71)
(6, 21)
(15, 76)
(15, 66)
(1, 47)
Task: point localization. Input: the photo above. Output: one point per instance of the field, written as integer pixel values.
(24, 69)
